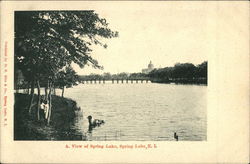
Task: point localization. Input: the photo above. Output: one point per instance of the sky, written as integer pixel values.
(165, 33)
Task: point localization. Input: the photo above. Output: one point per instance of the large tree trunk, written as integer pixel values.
(32, 96)
(38, 100)
(62, 91)
(50, 102)
(54, 90)
(17, 88)
(28, 87)
(46, 91)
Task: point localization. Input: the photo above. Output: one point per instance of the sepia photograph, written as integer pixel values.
(124, 82)
(104, 76)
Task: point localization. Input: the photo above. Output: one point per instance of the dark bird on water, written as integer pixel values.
(176, 136)
(95, 123)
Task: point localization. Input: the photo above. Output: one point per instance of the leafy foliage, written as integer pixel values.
(180, 71)
(47, 41)
(66, 78)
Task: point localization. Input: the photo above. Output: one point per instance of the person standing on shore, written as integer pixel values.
(45, 108)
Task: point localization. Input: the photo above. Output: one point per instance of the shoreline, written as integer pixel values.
(27, 127)
(181, 81)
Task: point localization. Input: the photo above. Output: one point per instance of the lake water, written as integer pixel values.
(141, 112)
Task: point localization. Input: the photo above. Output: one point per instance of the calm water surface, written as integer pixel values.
(141, 112)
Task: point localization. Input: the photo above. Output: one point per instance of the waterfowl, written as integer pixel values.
(176, 136)
(98, 122)
(95, 123)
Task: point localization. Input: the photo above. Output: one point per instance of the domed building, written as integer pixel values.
(150, 68)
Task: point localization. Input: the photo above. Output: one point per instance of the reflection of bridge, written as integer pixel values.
(95, 81)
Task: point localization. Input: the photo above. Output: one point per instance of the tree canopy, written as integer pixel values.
(46, 41)
(180, 71)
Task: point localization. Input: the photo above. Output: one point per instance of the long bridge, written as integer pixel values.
(103, 81)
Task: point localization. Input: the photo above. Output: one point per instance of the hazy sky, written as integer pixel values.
(165, 33)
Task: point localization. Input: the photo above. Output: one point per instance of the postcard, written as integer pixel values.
(124, 82)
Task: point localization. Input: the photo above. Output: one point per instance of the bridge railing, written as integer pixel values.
(96, 81)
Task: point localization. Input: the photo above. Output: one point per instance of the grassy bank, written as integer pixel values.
(27, 127)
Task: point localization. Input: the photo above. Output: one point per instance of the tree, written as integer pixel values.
(123, 75)
(107, 76)
(48, 41)
(185, 70)
(137, 75)
(66, 78)
(202, 70)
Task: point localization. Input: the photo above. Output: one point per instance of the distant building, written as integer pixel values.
(150, 68)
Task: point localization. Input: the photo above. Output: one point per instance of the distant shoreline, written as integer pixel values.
(181, 81)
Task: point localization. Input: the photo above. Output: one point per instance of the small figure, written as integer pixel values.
(45, 107)
(176, 136)
(41, 111)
